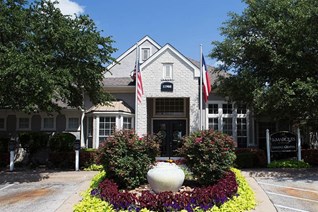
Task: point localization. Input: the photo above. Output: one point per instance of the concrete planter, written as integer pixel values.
(165, 177)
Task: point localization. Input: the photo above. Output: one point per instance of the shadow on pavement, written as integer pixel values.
(25, 175)
(310, 174)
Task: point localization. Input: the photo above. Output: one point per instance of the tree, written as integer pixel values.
(47, 58)
(271, 51)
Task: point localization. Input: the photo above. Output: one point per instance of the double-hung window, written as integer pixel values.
(167, 71)
(48, 123)
(73, 124)
(107, 127)
(24, 123)
(230, 119)
(127, 123)
(145, 53)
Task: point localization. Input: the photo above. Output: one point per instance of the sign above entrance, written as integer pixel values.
(283, 142)
(167, 87)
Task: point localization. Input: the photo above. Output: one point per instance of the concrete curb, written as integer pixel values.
(75, 198)
(263, 202)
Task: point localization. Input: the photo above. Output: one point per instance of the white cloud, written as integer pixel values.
(69, 7)
(218, 63)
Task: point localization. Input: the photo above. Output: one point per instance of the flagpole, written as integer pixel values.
(201, 75)
(136, 90)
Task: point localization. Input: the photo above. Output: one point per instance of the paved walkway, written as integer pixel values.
(289, 190)
(42, 191)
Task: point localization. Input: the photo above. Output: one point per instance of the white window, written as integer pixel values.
(145, 53)
(167, 71)
(227, 126)
(127, 123)
(73, 123)
(48, 123)
(241, 132)
(169, 107)
(2, 124)
(107, 126)
(230, 119)
(24, 123)
(214, 124)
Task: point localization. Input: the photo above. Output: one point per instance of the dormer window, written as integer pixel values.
(167, 71)
(145, 53)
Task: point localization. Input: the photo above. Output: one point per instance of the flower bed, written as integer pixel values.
(226, 195)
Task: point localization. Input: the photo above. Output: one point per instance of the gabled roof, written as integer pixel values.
(131, 49)
(115, 106)
(176, 52)
(212, 72)
(118, 82)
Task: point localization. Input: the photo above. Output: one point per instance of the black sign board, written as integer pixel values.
(283, 142)
(167, 87)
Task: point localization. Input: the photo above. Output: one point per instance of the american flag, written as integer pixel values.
(206, 81)
(140, 89)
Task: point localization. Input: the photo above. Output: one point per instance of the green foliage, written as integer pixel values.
(51, 56)
(288, 164)
(209, 155)
(34, 141)
(62, 142)
(126, 157)
(244, 201)
(94, 167)
(90, 203)
(249, 158)
(272, 50)
(245, 160)
(97, 179)
(310, 156)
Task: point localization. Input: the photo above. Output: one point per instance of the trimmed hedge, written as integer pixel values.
(250, 158)
(310, 156)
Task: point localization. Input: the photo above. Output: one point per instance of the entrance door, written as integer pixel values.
(170, 132)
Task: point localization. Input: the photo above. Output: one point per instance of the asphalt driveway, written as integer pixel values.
(41, 191)
(290, 190)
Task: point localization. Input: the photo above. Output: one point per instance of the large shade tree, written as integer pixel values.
(271, 51)
(47, 58)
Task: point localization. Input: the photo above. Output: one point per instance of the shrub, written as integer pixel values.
(209, 155)
(245, 160)
(34, 141)
(310, 156)
(126, 157)
(4, 144)
(62, 160)
(88, 157)
(288, 164)
(62, 142)
(250, 157)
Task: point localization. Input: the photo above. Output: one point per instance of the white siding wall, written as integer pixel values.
(184, 85)
(127, 64)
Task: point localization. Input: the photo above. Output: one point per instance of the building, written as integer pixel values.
(170, 104)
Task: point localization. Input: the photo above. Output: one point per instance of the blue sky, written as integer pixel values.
(185, 24)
